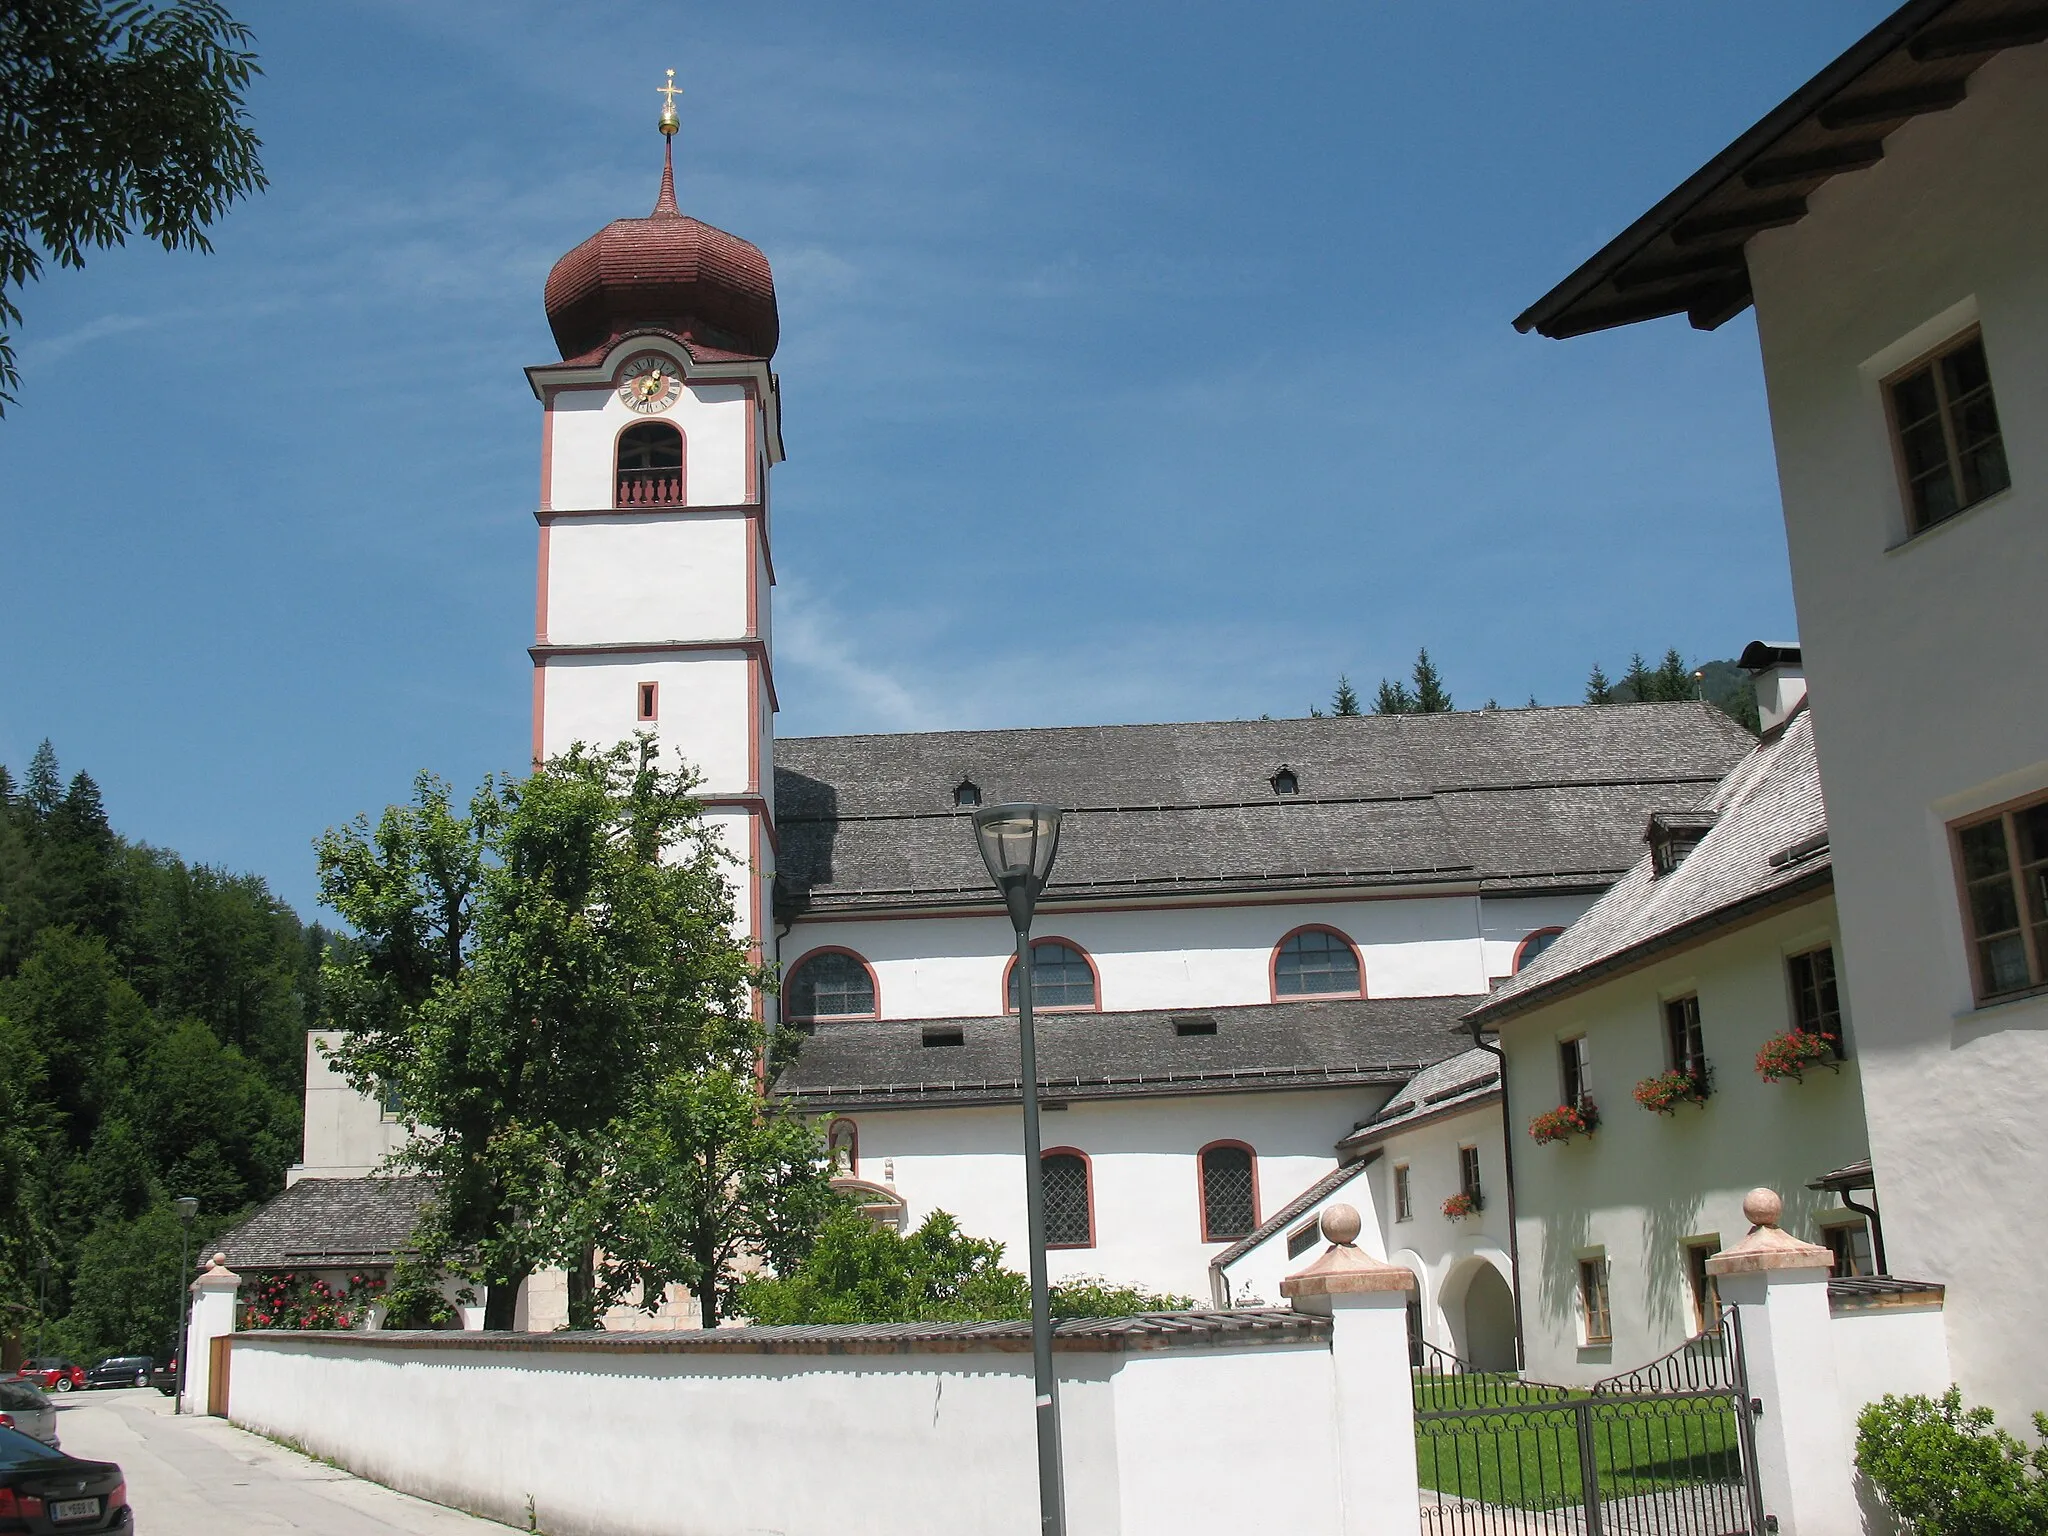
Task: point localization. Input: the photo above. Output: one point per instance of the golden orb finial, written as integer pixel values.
(669, 121)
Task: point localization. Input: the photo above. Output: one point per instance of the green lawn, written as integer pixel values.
(1527, 1456)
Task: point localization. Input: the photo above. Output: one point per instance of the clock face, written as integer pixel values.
(650, 383)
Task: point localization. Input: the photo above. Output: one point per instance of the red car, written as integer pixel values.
(52, 1375)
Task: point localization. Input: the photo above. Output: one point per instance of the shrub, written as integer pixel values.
(1790, 1054)
(1662, 1094)
(1566, 1121)
(1949, 1471)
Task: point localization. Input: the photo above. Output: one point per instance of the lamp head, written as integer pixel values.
(1018, 843)
(188, 1207)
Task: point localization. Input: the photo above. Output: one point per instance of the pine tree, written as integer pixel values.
(1431, 698)
(1637, 683)
(1393, 699)
(1598, 689)
(1674, 682)
(1344, 702)
(1532, 704)
(43, 780)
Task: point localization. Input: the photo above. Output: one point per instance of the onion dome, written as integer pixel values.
(666, 272)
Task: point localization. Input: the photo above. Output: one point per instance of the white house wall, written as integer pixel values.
(1445, 1255)
(1645, 1184)
(1189, 957)
(1925, 661)
(346, 1133)
(1144, 1173)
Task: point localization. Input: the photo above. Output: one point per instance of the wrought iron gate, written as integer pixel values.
(1668, 1450)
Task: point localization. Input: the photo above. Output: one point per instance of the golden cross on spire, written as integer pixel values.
(669, 93)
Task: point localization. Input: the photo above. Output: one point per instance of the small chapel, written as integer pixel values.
(1260, 936)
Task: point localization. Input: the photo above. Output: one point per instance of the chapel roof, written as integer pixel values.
(1498, 799)
(665, 273)
(1339, 1043)
(1456, 1083)
(1685, 256)
(1768, 845)
(330, 1224)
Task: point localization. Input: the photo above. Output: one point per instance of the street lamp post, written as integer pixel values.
(1018, 843)
(188, 1207)
(42, 1303)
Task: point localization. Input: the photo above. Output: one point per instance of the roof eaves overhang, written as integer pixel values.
(1489, 1016)
(1370, 1135)
(1687, 254)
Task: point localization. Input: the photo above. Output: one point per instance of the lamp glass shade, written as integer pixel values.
(1018, 843)
(188, 1207)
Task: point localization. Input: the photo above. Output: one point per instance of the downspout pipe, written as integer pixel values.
(1507, 1153)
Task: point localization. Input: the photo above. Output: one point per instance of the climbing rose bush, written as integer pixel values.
(290, 1298)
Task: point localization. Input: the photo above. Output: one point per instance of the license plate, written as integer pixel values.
(74, 1509)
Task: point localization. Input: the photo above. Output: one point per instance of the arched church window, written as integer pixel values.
(1316, 962)
(650, 465)
(1535, 944)
(829, 984)
(1069, 1203)
(1230, 1199)
(1061, 977)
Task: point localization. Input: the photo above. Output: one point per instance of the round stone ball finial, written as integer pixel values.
(1341, 1224)
(1763, 1207)
(220, 1261)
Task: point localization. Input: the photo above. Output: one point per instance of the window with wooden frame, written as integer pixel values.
(1468, 1172)
(1404, 1202)
(1684, 1042)
(1230, 1199)
(1702, 1287)
(1574, 1071)
(1849, 1242)
(2002, 864)
(1061, 977)
(1534, 945)
(1945, 431)
(829, 984)
(1816, 999)
(1069, 1203)
(649, 703)
(1595, 1315)
(1316, 962)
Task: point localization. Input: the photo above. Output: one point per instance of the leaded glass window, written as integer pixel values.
(1068, 1220)
(1060, 978)
(1229, 1206)
(1316, 962)
(830, 986)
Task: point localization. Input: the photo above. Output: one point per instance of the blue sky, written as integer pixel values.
(1140, 362)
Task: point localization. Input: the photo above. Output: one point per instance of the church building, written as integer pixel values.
(1257, 931)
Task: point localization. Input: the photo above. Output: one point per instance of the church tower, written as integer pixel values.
(659, 427)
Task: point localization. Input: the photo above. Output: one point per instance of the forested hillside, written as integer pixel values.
(152, 1035)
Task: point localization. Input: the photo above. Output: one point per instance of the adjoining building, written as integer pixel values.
(1889, 223)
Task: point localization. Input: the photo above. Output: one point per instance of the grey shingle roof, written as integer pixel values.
(1100, 1055)
(1502, 798)
(1457, 1082)
(330, 1223)
(1768, 844)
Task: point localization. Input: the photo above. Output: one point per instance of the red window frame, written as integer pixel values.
(1273, 966)
(1088, 1173)
(1202, 1185)
(874, 984)
(1094, 973)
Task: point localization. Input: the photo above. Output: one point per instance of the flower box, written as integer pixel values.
(1662, 1094)
(1790, 1054)
(1465, 1203)
(1565, 1122)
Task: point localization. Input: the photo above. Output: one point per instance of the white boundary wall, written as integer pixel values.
(633, 1437)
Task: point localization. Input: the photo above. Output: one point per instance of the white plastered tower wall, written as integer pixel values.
(674, 596)
(1925, 656)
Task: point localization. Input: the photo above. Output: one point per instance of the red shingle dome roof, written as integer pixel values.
(665, 272)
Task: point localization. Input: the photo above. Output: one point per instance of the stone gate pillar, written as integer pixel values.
(1366, 1301)
(1780, 1286)
(213, 1315)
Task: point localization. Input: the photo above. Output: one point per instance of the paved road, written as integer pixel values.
(200, 1477)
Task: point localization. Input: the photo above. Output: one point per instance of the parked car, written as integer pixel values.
(52, 1374)
(164, 1376)
(121, 1371)
(42, 1489)
(25, 1408)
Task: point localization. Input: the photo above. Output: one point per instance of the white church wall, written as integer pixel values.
(1184, 956)
(703, 707)
(1144, 1170)
(583, 437)
(631, 1438)
(1924, 660)
(346, 1133)
(1505, 921)
(1645, 1186)
(647, 576)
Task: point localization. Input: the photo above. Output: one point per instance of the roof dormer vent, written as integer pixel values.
(967, 793)
(1673, 834)
(1284, 782)
(1194, 1024)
